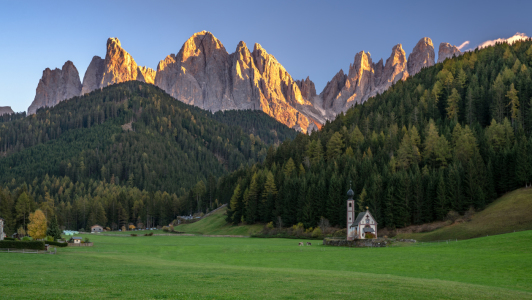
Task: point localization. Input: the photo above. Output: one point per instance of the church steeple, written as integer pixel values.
(350, 213)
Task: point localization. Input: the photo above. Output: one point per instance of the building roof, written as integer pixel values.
(350, 194)
(360, 217)
(76, 238)
(95, 226)
(368, 229)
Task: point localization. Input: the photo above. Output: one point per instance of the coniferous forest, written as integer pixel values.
(109, 156)
(453, 137)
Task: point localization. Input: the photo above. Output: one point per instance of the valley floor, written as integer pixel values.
(195, 267)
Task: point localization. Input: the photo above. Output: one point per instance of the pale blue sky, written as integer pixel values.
(309, 38)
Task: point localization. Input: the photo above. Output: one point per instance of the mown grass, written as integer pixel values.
(171, 267)
(215, 224)
(511, 212)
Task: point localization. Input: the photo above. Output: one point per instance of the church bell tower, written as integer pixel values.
(350, 214)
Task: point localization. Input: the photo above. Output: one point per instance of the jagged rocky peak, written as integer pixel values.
(307, 88)
(118, 66)
(93, 75)
(55, 86)
(333, 88)
(394, 70)
(146, 74)
(203, 74)
(421, 57)
(447, 50)
(6, 110)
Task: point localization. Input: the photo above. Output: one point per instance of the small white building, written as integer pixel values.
(77, 240)
(361, 226)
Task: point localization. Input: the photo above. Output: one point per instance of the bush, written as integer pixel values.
(51, 243)
(340, 233)
(133, 234)
(148, 234)
(86, 240)
(33, 245)
(166, 228)
(452, 216)
(369, 235)
(316, 233)
(26, 238)
(10, 239)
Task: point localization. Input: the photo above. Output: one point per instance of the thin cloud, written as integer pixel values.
(463, 45)
(516, 37)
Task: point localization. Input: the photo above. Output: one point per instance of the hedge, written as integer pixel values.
(58, 244)
(33, 245)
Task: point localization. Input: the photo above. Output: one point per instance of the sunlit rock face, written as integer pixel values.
(55, 86)
(365, 79)
(5, 110)
(421, 57)
(204, 74)
(118, 66)
(447, 50)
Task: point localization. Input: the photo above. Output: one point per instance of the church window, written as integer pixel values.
(349, 204)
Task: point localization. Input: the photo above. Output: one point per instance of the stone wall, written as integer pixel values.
(356, 243)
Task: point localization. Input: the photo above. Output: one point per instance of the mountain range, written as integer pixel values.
(204, 74)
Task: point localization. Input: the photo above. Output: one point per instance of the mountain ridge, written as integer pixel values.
(203, 73)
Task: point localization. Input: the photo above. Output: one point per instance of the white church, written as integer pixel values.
(363, 226)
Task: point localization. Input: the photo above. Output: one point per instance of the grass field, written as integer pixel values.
(215, 225)
(195, 267)
(508, 213)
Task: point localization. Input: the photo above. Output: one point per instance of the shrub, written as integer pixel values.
(33, 245)
(270, 225)
(369, 235)
(452, 216)
(133, 234)
(340, 233)
(86, 240)
(148, 234)
(52, 243)
(10, 239)
(166, 228)
(316, 233)
(49, 238)
(26, 238)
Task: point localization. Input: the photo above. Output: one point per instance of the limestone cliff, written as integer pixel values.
(365, 79)
(421, 57)
(118, 66)
(55, 86)
(204, 74)
(5, 110)
(447, 50)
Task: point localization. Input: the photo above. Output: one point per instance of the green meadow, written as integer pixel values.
(196, 267)
(508, 213)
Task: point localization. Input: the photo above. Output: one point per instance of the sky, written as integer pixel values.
(309, 38)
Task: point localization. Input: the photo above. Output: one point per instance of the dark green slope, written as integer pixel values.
(171, 147)
(453, 137)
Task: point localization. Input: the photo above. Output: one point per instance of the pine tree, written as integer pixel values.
(514, 103)
(335, 146)
(53, 229)
(453, 104)
(441, 198)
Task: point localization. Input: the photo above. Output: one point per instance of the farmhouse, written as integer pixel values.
(96, 228)
(2, 222)
(363, 226)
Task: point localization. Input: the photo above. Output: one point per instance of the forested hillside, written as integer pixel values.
(131, 138)
(452, 137)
